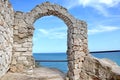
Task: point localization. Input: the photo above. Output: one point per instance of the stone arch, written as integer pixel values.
(77, 47)
(47, 9)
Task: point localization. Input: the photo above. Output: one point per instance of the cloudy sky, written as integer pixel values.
(102, 17)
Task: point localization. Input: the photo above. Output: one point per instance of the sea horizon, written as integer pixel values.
(97, 51)
(114, 56)
(48, 52)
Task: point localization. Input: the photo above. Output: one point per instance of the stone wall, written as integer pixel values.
(22, 45)
(6, 35)
(23, 33)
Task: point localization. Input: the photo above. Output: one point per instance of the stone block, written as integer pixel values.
(21, 49)
(2, 39)
(17, 45)
(16, 54)
(22, 58)
(21, 35)
(29, 39)
(1, 23)
(27, 44)
(13, 69)
(14, 61)
(27, 54)
(15, 27)
(2, 28)
(22, 30)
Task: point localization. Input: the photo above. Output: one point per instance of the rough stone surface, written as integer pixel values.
(100, 69)
(6, 35)
(23, 33)
(16, 32)
(41, 73)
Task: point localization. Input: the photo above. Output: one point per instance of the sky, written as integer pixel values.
(102, 18)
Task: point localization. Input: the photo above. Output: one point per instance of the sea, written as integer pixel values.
(114, 56)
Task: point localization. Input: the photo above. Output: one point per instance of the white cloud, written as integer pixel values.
(100, 5)
(43, 31)
(55, 33)
(101, 29)
(108, 3)
(71, 3)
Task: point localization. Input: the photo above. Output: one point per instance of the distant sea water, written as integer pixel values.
(114, 56)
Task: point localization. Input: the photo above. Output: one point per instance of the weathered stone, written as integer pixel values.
(20, 49)
(2, 28)
(16, 32)
(21, 35)
(14, 61)
(28, 44)
(13, 69)
(6, 36)
(22, 30)
(22, 58)
(1, 23)
(15, 27)
(27, 54)
(17, 46)
(2, 39)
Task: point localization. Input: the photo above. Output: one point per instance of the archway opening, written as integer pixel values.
(50, 43)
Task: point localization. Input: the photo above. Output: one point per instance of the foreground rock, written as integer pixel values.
(100, 69)
(41, 73)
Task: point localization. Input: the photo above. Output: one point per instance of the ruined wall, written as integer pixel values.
(81, 65)
(6, 35)
(22, 45)
(23, 33)
(16, 32)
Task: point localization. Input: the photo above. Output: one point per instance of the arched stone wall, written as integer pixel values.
(16, 32)
(23, 32)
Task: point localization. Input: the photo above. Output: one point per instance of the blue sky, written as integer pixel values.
(102, 17)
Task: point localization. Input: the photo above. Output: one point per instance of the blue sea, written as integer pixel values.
(114, 56)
